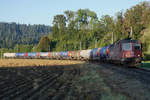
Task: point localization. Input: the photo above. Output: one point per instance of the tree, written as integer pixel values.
(60, 22)
(119, 31)
(137, 17)
(44, 44)
(70, 15)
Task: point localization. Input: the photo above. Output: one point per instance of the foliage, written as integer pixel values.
(137, 17)
(146, 43)
(83, 27)
(43, 45)
(12, 34)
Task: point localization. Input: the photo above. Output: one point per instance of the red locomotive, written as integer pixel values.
(126, 51)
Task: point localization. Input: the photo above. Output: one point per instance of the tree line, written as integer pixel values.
(12, 34)
(83, 29)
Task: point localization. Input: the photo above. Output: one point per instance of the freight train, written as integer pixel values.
(126, 52)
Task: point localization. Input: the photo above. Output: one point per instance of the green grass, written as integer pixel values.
(145, 64)
(93, 81)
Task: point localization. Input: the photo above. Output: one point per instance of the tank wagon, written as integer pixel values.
(20, 55)
(64, 55)
(95, 54)
(75, 55)
(43, 55)
(32, 55)
(9, 55)
(126, 51)
(85, 54)
(54, 55)
(104, 52)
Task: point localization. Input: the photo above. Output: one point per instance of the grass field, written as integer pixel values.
(145, 64)
(35, 62)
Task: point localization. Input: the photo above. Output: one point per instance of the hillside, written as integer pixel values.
(12, 34)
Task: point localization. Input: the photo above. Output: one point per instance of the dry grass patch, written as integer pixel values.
(35, 62)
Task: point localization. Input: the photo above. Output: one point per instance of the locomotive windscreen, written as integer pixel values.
(126, 46)
(137, 46)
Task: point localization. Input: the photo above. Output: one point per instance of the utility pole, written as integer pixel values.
(49, 48)
(75, 47)
(17, 48)
(112, 37)
(131, 32)
(33, 49)
(96, 43)
(1, 54)
(64, 47)
(80, 46)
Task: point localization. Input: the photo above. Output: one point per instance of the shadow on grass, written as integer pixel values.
(145, 64)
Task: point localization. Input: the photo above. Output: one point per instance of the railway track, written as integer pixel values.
(42, 83)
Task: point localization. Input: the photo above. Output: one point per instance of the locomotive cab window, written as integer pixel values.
(126, 46)
(137, 46)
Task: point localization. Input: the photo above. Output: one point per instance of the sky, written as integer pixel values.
(43, 11)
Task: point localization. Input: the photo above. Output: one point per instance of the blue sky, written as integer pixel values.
(43, 11)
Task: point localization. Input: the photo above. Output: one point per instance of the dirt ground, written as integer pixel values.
(81, 81)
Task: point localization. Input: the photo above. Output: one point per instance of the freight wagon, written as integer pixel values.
(9, 55)
(94, 54)
(85, 54)
(32, 55)
(20, 55)
(104, 52)
(75, 55)
(43, 55)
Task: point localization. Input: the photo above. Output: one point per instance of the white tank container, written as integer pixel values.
(85, 54)
(9, 55)
(43, 54)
